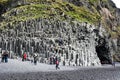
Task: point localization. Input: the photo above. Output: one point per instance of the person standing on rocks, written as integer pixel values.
(35, 56)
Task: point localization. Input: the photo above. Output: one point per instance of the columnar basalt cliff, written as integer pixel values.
(72, 42)
(78, 34)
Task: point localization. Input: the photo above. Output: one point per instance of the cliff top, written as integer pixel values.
(91, 11)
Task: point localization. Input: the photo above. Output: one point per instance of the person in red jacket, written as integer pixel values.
(24, 57)
(57, 64)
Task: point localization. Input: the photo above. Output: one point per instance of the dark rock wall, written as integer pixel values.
(72, 42)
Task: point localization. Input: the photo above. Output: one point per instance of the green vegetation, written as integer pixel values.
(53, 10)
(93, 1)
(28, 12)
(83, 14)
(3, 1)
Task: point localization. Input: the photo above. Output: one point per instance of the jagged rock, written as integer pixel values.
(74, 44)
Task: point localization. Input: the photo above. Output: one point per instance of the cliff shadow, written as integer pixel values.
(103, 53)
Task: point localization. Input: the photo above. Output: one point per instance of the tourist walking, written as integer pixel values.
(24, 57)
(35, 56)
(51, 60)
(57, 64)
(5, 57)
(54, 59)
(113, 60)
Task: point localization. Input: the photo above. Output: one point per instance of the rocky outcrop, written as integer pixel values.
(57, 31)
(73, 42)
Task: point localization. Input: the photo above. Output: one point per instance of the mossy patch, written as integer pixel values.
(54, 9)
(32, 11)
(26, 12)
(3, 1)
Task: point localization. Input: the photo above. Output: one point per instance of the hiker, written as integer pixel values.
(76, 60)
(35, 56)
(54, 59)
(50, 60)
(57, 64)
(24, 57)
(5, 57)
(113, 60)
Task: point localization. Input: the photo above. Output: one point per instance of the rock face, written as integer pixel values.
(52, 28)
(72, 42)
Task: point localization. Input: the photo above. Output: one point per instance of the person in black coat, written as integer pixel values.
(35, 59)
(5, 57)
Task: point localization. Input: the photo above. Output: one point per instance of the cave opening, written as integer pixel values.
(102, 50)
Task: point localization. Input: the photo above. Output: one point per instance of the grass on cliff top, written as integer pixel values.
(54, 9)
(24, 13)
(83, 14)
(2, 1)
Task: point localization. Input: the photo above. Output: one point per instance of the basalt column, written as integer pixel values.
(72, 42)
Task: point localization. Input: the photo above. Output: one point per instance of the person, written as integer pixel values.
(50, 60)
(5, 57)
(57, 64)
(24, 57)
(35, 58)
(113, 63)
(64, 63)
(113, 60)
(54, 59)
(76, 62)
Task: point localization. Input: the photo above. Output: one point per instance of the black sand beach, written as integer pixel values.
(103, 73)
